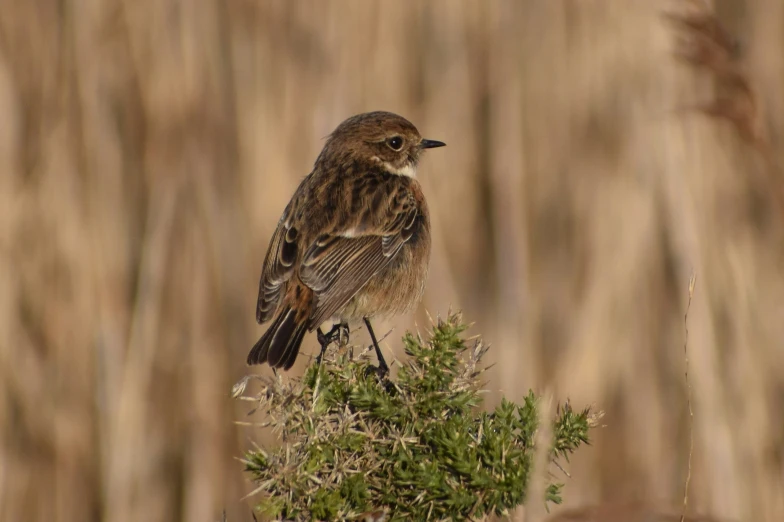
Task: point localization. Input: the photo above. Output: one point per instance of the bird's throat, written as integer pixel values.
(407, 170)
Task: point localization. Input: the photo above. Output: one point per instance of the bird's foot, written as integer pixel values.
(334, 335)
(381, 371)
(382, 374)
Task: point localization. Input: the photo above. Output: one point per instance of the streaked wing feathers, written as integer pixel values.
(278, 268)
(336, 267)
(361, 259)
(392, 242)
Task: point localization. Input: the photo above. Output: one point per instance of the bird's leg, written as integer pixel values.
(383, 369)
(323, 341)
(333, 335)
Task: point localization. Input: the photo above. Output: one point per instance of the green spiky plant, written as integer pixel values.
(415, 447)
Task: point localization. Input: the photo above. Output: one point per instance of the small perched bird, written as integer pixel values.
(353, 242)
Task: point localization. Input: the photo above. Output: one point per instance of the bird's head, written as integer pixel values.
(379, 137)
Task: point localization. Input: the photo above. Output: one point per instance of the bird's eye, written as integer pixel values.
(395, 143)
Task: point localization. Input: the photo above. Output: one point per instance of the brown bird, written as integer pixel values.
(353, 242)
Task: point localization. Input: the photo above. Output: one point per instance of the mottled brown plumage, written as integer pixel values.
(353, 242)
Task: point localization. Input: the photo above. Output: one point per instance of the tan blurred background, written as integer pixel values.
(148, 147)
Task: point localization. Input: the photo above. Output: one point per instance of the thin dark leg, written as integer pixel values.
(382, 364)
(332, 335)
(323, 340)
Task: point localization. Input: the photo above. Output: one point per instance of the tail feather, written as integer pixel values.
(281, 337)
(280, 344)
(260, 351)
(292, 348)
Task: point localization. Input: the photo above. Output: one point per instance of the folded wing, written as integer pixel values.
(279, 265)
(337, 265)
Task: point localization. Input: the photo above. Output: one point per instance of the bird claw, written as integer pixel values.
(381, 371)
(334, 335)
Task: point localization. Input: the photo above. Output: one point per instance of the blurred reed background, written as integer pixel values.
(148, 148)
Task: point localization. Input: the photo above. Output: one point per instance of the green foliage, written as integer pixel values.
(416, 445)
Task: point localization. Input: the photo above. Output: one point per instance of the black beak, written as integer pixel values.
(430, 144)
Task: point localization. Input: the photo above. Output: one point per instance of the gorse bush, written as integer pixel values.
(416, 446)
